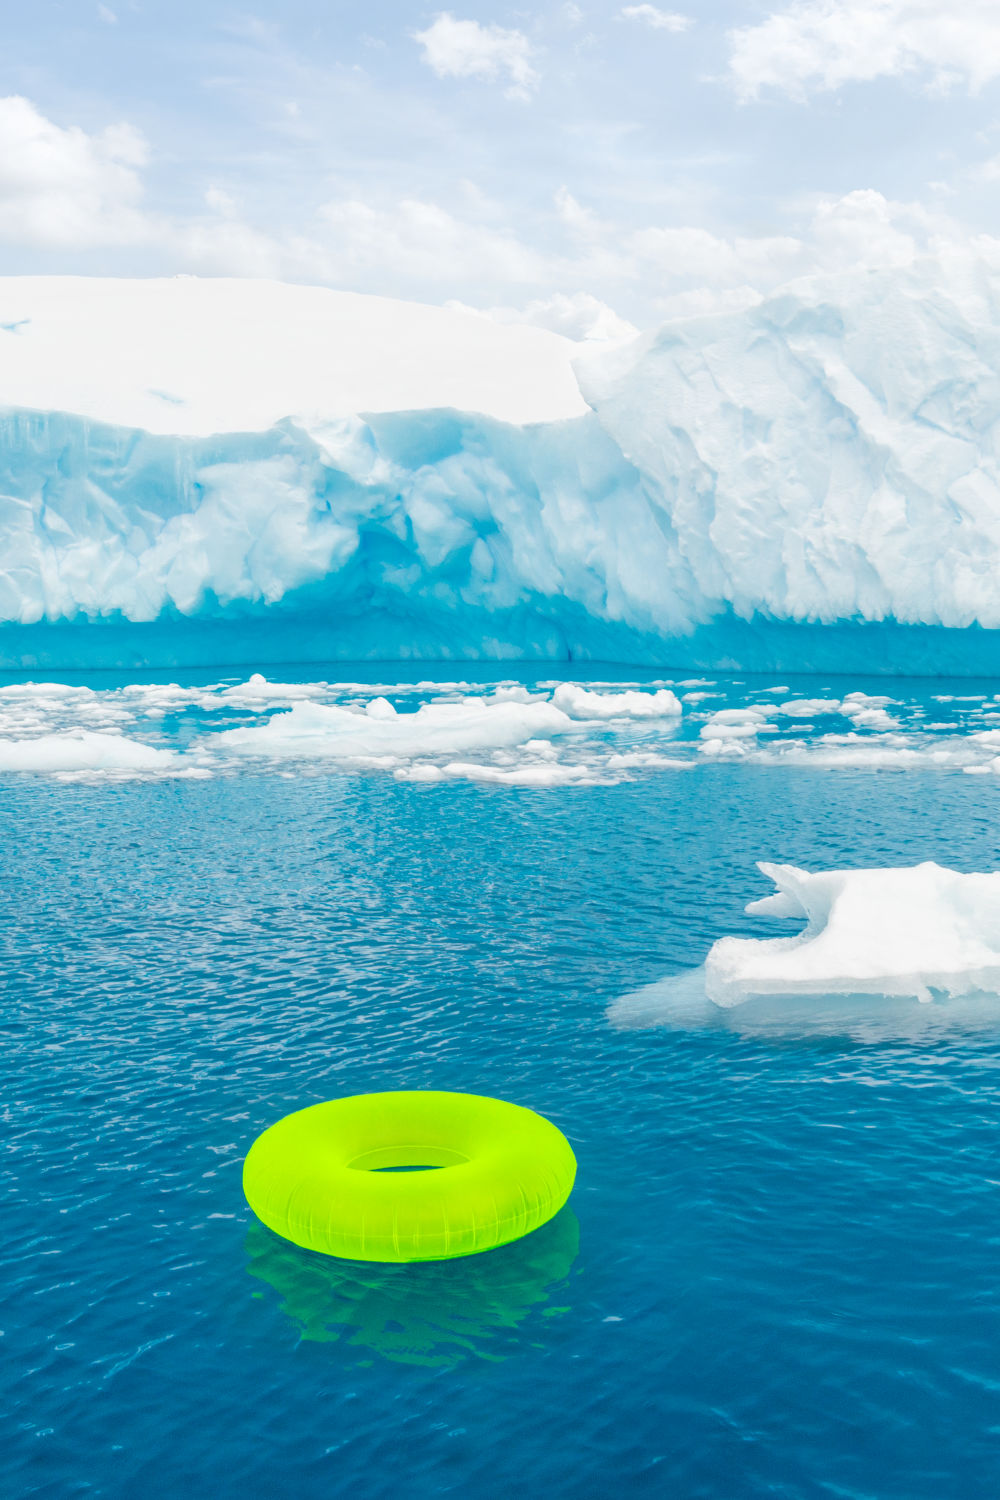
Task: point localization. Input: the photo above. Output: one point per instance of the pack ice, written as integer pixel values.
(239, 470)
(894, 932)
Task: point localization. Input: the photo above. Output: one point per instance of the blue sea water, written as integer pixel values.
(779, 1272)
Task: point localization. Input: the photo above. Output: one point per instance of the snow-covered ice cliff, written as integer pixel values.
(237, 471)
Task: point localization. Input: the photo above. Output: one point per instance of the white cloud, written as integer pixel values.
(580, 316)
(580, 220)
(63, 187)
(467, 49)
(688, 254)
(827, 43)
(107, 15)
(227, 247)
(660, 20)
(860, 230)
(423, 242)
(221, 202)
(987, 171)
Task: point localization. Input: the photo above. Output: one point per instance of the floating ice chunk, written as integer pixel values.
(328, 731)
(893, 932)
(723, 731)
(83, 750)
(727, 747)
(556, 774)
(868, 712)
(717, 731)
(850, 752)
(865, 711)
(647, 760)
(679, 1002)
(39, 690)
(809, 708)
(380, 708)
(581, 703)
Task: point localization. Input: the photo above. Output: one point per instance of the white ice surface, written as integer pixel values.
(890, 932)
(424, 732)
(547, 733)
(85, 750)
(580, 703)
(311, 730)
(830, 452)
(874, 942)
(193, 356)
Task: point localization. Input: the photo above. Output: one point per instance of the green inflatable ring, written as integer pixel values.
(319, 1177)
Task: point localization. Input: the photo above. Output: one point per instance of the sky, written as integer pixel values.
(580, 165)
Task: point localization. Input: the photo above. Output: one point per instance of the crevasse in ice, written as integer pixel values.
(238, 470)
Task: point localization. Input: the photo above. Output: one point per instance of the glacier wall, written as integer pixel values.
(831, 452)
(409, 535)
(811, 481)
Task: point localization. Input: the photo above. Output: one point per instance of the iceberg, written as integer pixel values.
(874, 942)
(830, 453)
(197, 471)
(911, 932)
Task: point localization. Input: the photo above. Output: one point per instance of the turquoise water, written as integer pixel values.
(779, 1273)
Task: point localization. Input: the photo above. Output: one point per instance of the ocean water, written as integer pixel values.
(779, 1271)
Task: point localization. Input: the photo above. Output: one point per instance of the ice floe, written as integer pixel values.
(85, 750)
(558, 734)
(909, 932)
(544, 733)
(321, 730)
(580, 703)
(880, 938)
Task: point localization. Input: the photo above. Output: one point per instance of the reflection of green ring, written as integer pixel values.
(434, 1313)
(318, 1177)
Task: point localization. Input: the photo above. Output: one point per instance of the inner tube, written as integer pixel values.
(327, 1177)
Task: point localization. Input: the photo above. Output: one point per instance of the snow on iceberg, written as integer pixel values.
(195, 356)
(892, 932)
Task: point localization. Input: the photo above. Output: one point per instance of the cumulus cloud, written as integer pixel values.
(859, 230)
(425, 242)
(660, 20)
(579, 316)
(62, 187)
(824, 44)
(580, 220)
(468, 49)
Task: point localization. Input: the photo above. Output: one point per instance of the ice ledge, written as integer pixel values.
(911, 932)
